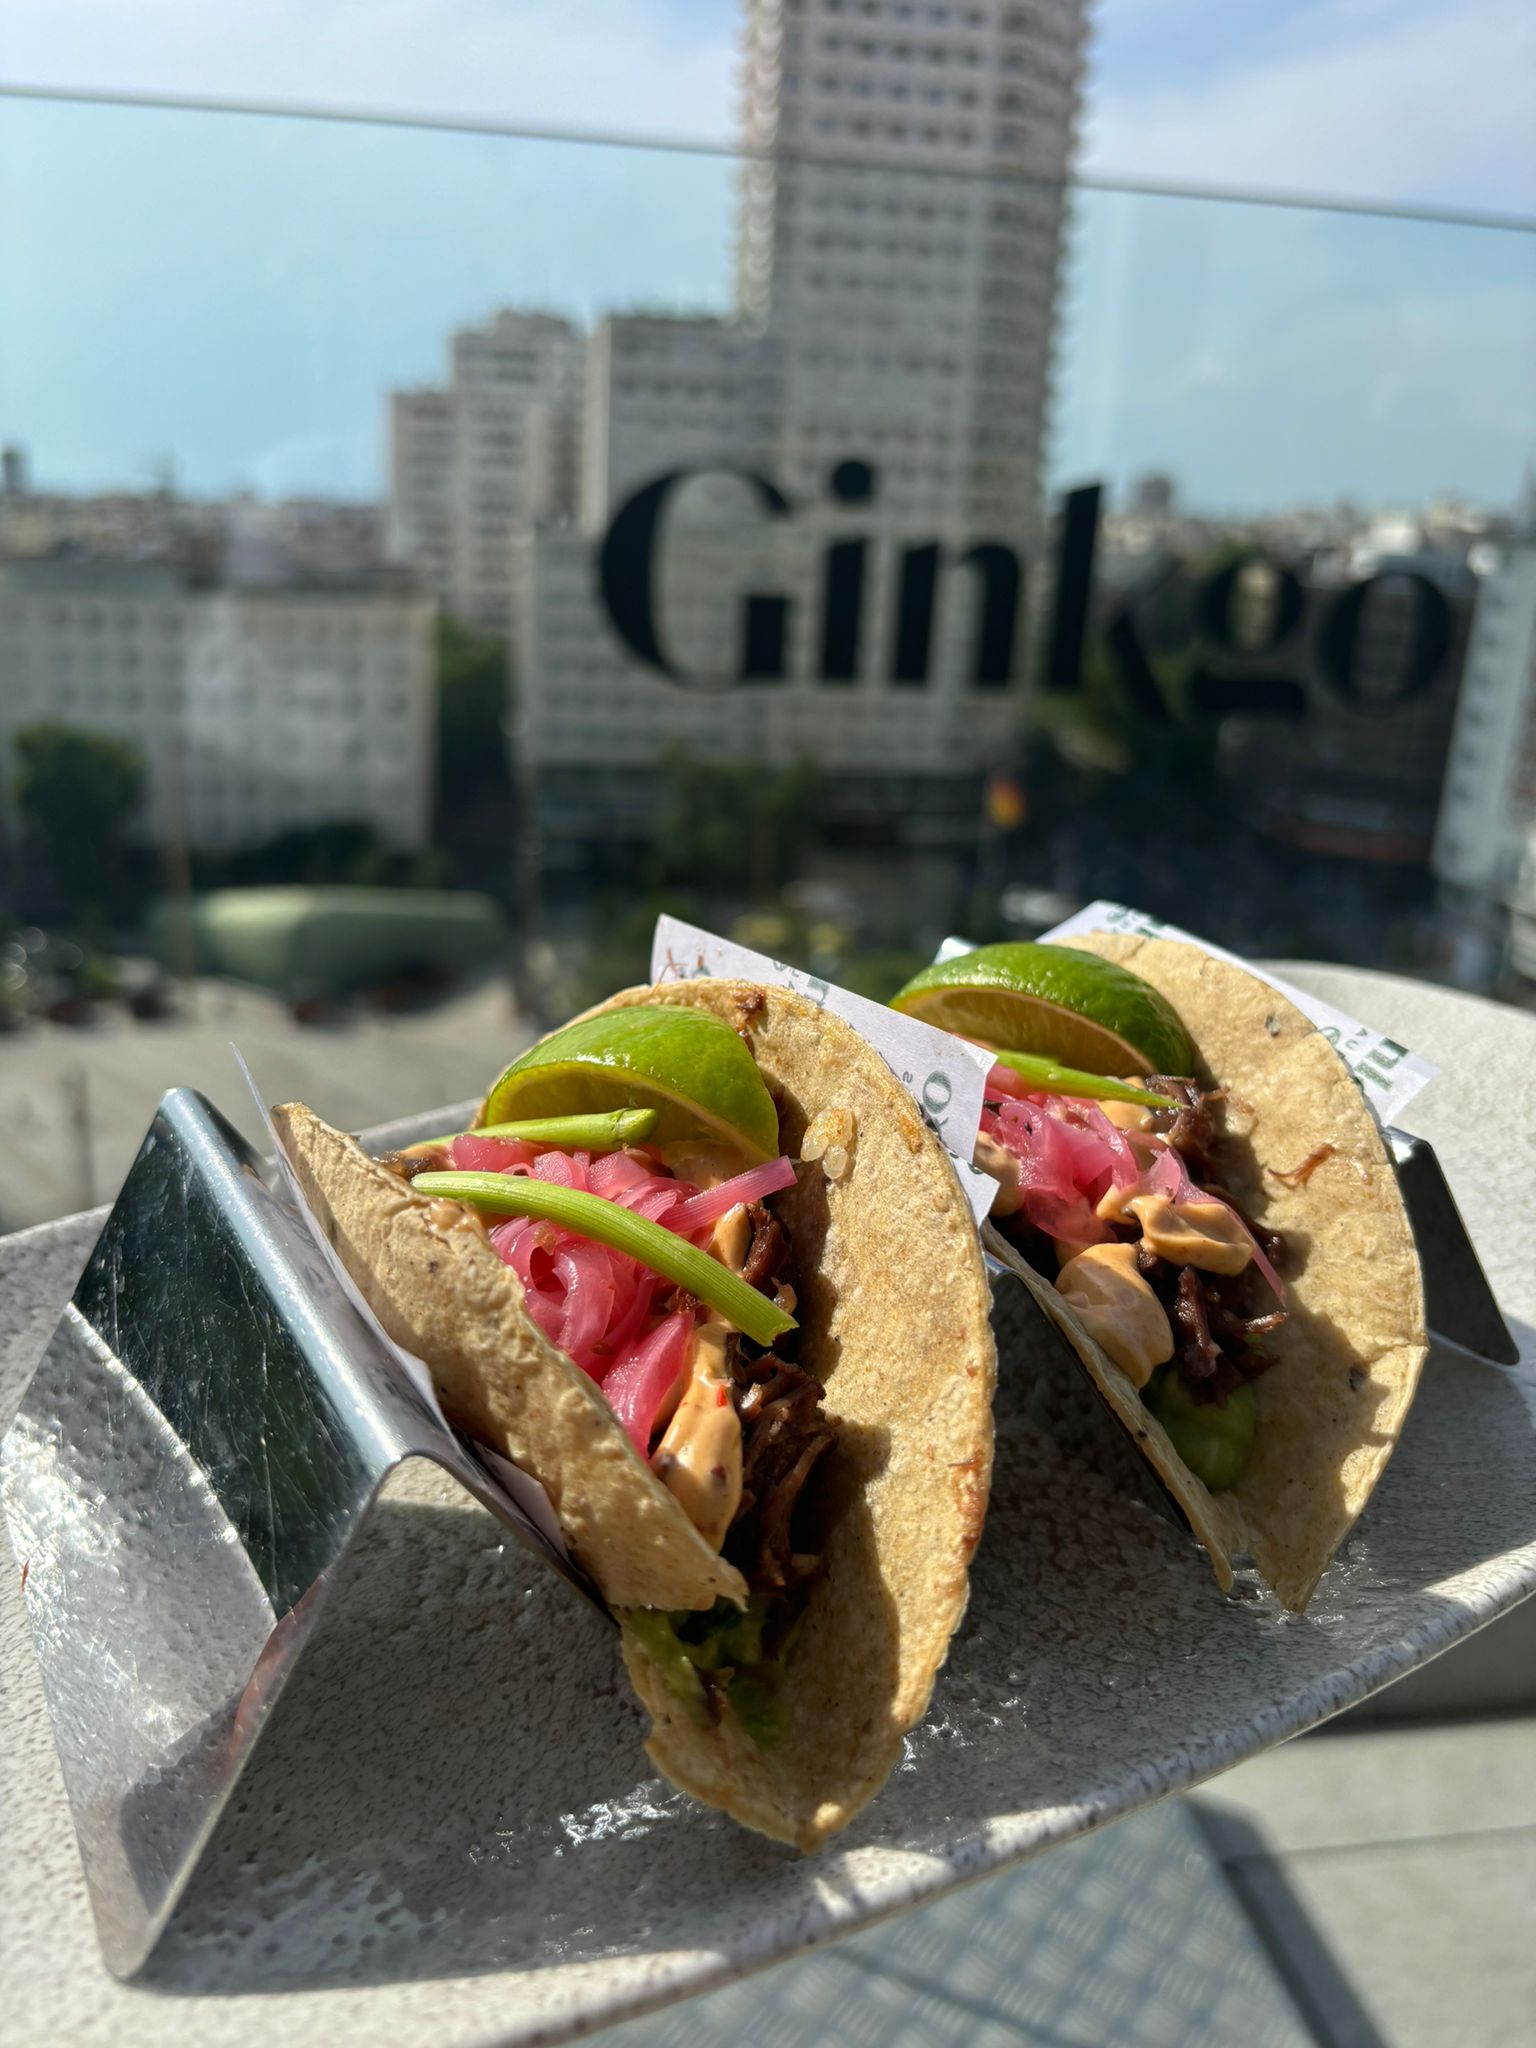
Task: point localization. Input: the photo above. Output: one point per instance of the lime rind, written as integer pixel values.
(1099, 992)
(688, 1065)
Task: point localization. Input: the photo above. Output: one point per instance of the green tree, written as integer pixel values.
(472, 705)
(1122, 753)
(344, 851)
(733, 830)
(476, 810)
(77, 792)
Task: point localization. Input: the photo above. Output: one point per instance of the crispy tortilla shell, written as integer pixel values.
(1349, 1355)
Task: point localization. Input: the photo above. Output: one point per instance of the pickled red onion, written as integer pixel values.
(472, 1154)
(587, 1307)
(531, 1257)
(1003, 1080)
(1092, 1166)
(1069, 1222)
(505, 1235)
(1126, 1167)
(593, 1302)
(614, 1172)
(537, 1241)
(639, 1382)
(561, 1170)
(1168, 1175)
(628, 1320)
(655, 1198)
(1272, 1279)
(706, 1209)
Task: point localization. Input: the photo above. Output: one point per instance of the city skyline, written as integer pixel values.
(261, 284)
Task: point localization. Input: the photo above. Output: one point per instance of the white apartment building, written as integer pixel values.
(665, 393)
(898, 253)
(901, 230)
(418, 528)
(1486, 830)
(496, 450)
(256, 710)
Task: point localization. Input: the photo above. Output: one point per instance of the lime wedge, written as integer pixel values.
(687, 1065)
(1054, 1001)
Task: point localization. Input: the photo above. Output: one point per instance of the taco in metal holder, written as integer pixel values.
(782, 1523)
(1231, 1260)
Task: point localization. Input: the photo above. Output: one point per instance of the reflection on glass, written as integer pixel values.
(869, 538)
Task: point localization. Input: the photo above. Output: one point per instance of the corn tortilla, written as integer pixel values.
(893, 1311)
(1349, 1355)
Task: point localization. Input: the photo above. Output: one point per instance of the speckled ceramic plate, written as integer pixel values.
(450, 1814)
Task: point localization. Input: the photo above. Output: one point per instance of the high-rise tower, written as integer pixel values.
(901, 226)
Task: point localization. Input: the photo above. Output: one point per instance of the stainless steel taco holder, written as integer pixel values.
(1458, 1302)
(205, 1436)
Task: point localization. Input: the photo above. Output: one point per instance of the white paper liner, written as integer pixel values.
(1389, 1074)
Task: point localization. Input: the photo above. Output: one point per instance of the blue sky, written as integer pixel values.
(238, 294)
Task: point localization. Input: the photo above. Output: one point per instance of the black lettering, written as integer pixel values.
(1002, 582)
(764, 622)
(851, 482)
(1133, 668)
(1428, 640)
(626, 563)
(1213, 608)
(1076, 546)
(842, 609)
(914, 613)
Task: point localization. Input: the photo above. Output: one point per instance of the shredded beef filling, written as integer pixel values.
(767, 1262)
(784, 1431)
(1215, 1319)
(1190, 1125)
(1214, 1336)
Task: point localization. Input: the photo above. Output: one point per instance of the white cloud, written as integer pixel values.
(1376, 98)
(651, 67)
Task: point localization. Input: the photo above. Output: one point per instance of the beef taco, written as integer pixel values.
(1204, 1206)
(701, 1269)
